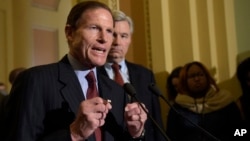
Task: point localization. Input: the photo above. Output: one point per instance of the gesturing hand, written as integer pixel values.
(91, 115)
(135, 118)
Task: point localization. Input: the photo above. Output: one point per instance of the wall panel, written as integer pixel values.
(3, 49)
(45, 46)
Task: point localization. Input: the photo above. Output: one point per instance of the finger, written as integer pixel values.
(99, 115)
(139, 117)
(108, 107)
(102, 115)
(97, 120)
(135, 117)
(96, 123)
(97, 108)
(106, 101)
(134, 105)
(97, 100)
(132, 112)
(139, 107)
(104, 105)
(101, 122)
(130, 106)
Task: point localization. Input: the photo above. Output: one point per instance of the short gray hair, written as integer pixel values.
(121, 16)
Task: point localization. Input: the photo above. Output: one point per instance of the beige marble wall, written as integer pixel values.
(22, 22)
(6, 40)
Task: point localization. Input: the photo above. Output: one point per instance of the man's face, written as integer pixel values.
(122, 40)
(91, 41)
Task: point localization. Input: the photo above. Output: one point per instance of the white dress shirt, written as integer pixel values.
(123, 71)
(81, 73)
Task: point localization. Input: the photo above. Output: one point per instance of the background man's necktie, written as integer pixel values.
(92, 92)
(118, 77)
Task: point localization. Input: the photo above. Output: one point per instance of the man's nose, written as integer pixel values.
(116, 41)
(103, 37)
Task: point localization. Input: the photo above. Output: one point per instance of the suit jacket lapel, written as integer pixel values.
(71, 90)
(102, 71)
(133, 74)
(104, 87)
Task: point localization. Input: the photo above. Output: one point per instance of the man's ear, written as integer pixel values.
(68, 32)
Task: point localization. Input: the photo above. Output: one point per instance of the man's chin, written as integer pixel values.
(115, 57)
(98, 64)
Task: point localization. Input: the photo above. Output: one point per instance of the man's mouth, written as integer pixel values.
(99, 50)
(114, 51)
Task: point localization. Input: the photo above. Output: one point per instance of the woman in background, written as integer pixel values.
(202, 103)
(173, 84)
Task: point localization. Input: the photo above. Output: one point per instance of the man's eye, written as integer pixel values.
(124, 36)
(110, 31)
(93, 27)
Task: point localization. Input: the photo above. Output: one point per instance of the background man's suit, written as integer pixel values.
(140, 78)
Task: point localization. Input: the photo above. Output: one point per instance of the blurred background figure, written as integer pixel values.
(243, 75)
(3, 94)
(173, 84)
(14, 73)
(3, 90)
(204, 104)
(3, 98)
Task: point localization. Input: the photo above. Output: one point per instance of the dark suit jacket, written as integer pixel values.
(44, 101)
(140, 77)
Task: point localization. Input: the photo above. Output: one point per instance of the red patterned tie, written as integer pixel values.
(92, 92)
(118, 77)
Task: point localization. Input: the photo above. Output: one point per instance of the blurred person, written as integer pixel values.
(173, 84)
(137, 75)
(3, 90)
(12, 76)
(3, 95)
(204, 104)
(14, 73)
(69, 100)
(243, 75)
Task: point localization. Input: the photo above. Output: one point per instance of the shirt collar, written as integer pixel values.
(122, 65)
(78, 67)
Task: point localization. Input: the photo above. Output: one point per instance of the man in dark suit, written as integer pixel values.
(51, 102)
(139, 76)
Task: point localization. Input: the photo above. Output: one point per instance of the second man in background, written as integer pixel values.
(122, 71)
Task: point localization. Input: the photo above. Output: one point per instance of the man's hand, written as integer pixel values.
(135, 118)
(91, 115)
